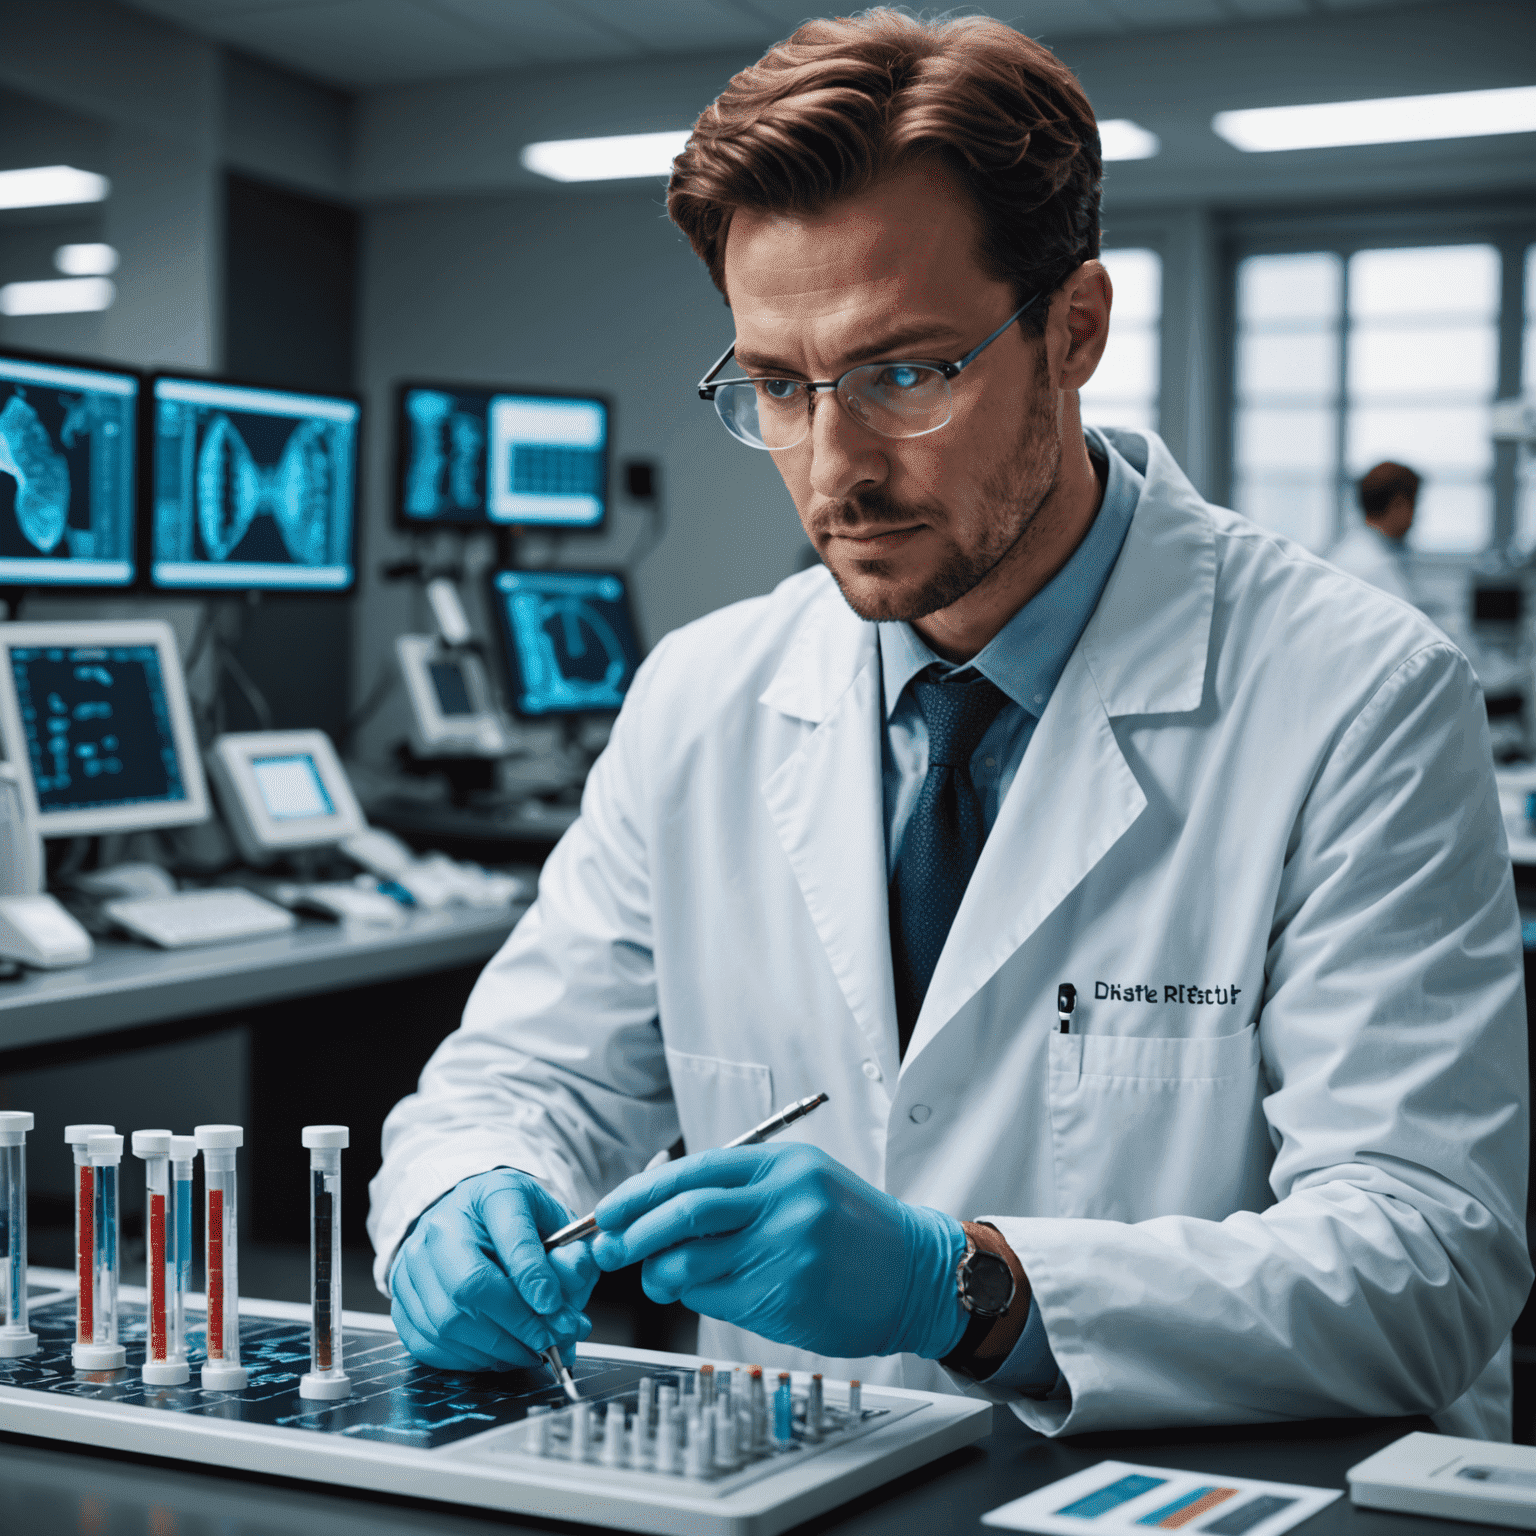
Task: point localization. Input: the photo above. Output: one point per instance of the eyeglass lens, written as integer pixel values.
(893, 399)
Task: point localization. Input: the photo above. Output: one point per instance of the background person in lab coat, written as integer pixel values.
(1042, 715)
(1377, 549)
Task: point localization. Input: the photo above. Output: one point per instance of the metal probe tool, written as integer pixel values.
(562, 1372)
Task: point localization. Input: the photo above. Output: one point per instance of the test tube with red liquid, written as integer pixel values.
(15, 1337)
(99, 1349)
(165, 1363)
(78, 1137)
(222, 1371)
(325, 1377)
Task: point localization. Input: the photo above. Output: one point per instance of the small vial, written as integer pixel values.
(101, 1351)
(855, 1401)
(183, 1155)
(783, 1411)
(725, 1436)
(613, 1436)
(757, 1406)
(581, 1432)
(647, 1405)
(666, 1401)
(706, 1387)
(165, 1361)
(700, 1454)
(15, 1337)
(814, 1405)
(540, 1423)
(222, 1371)
(325, 1377)
(668, 1427)
(78, 1137)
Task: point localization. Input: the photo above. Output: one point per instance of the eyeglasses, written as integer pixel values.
(896, 399)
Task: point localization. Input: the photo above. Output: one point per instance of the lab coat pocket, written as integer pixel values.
(716, 1099)
(1144, 1127)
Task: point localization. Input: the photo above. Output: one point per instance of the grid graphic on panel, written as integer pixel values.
(544, 469)
(1123, 391)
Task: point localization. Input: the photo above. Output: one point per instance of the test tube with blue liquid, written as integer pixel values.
(15, 1337)
(325, 1377)
(165, 1361)
(96, 1344)
(183, 1155)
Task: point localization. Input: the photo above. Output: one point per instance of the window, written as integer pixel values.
(1346, 358)
(1124, 388)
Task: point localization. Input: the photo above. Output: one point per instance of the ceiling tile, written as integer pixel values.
(1262, 10)
(1152, 15)
(679, 26)
(540, 31)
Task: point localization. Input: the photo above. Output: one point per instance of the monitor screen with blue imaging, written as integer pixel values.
(67, 480)
(501, 458)
(571, 646)
(253, 489)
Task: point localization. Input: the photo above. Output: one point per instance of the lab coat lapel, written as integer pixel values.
(1075, 796)
(826, 803)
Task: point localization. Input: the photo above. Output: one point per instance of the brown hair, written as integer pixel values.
(825, 114)
(1379, 486)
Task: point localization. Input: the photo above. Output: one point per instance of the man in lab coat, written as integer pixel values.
(1377, 549)
(1043, 717)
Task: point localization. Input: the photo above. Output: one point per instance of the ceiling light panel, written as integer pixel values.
(1387, 120)
(1122, 139)
(619, 157)
(57, 296)
(51, 186)
(93, 260)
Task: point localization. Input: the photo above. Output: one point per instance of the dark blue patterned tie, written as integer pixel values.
(943, 837)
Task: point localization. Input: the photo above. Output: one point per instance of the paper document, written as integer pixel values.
(1116, 1498)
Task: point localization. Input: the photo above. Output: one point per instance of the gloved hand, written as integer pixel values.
(787, 1242)
(473, 1288)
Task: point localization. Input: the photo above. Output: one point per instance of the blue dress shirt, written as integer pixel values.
(1025, 659)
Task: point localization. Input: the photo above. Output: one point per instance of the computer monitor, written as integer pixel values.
(479, 457)
(94, 717)
(251, 489)
(569, 639)
(452, 712)
(68, 486)
(281, 790)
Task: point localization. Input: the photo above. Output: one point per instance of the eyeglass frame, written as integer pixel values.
(951, 371)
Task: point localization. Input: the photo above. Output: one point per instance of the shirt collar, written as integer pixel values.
(1029, 653)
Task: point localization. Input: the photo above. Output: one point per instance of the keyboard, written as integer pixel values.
(189, 918)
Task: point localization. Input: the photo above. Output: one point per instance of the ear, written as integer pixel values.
(1078, 326)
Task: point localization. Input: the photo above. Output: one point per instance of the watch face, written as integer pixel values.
(988, 1284)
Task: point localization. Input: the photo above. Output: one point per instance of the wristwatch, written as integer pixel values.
(984, 1286)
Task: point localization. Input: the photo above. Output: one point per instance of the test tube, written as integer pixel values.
(222, 1371)
(814, 1406)
(164, 1361)
(855, 1401)
(325, 1377)
(78, 1137)
(15, 1337)
(706, 1385)
(783, 1412)
(99, 1350)
(183, 1154)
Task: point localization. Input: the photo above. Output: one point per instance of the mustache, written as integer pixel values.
(874, 509)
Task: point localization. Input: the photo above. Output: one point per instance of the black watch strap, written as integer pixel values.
(962, 1357)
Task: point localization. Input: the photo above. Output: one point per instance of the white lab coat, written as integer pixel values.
(1368, 553)
(1291, 1186)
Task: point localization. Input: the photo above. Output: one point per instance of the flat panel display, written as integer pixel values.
(570, 640)
(501, 457)
(68, 486)
(252, 489)
(291, 787)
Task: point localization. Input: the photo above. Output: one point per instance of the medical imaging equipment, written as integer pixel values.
(453, 713)
(483, 457)
(569, 638)
(252, 489)
(68, 486)
(281, 791)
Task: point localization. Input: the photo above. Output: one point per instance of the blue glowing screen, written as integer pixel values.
(502, 457)
(253, 488)
(67, 488)
(571, 642)
(97, 726)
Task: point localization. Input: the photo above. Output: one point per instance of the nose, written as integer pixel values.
(845, 457)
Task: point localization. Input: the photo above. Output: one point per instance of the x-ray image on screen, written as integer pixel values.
(488, 457)
(67, 489)
(253, 488)
(570, 638)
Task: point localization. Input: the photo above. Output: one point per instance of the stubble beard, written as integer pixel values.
(1017, 489)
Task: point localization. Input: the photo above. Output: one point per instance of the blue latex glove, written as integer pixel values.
(786, 1242)
(474, 1289)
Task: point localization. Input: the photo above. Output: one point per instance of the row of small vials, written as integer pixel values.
(702, 1428)
(168, 1166)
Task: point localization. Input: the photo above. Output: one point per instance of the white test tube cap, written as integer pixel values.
(14, 1125)
(219, 1138)
(152, 1143)
(324, 1136)
(183, 1148)
(108, 1145)
(78, 1135)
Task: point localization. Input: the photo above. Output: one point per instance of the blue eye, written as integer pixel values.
(778, 389)
(901, 376)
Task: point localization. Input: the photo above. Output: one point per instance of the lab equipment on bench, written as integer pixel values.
(222, 1371)
(16, 1339)
(473, 456)
(188, 919)
(165, 1347)
(453, 712)
(282, 791)
(1485, 1481)
(326, 1379)
(68, 481)
(251, 489)
(98, 1236)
